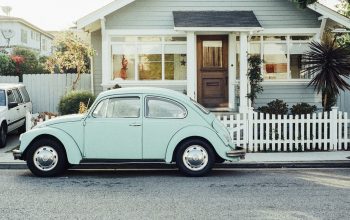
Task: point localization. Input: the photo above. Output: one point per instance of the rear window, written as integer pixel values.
(25, 94)
(2, 98)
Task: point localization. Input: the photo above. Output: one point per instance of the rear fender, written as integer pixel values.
(197, 131)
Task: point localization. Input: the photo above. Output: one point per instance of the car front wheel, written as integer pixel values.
(3, 136)
(46, 158)
(195, 158)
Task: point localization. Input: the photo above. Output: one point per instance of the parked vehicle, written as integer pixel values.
(131, 125)
(14, 103)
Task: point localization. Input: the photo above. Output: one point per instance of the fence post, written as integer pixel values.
(333, 128)
(250, 129)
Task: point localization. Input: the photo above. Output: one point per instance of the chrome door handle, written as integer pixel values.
(135, 124)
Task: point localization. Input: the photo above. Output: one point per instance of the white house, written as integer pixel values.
(201, 47)
(18, 32)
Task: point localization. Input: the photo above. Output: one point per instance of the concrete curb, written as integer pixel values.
(240, 165)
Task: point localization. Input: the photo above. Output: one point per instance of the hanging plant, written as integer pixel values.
(255, 77)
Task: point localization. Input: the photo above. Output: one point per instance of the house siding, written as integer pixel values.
(291, 94)
(96, 42)
(157, 14)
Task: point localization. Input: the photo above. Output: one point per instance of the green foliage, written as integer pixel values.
(329, 65)
(303, 108)
(69, 104)
(71, 55)
(7, 66)
(303, 3)
(30, 60)
(255, 77)
(276, 107)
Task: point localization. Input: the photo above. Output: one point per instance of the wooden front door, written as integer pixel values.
(212, 75)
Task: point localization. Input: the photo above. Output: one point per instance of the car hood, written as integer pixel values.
(61, 119)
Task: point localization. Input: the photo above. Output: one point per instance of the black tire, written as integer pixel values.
(204, 155)
(3, 135)
(54, 150)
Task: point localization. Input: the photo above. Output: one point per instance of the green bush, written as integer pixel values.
(69, 104)
(7, 66)
(303, 108)
(30, 64)
(276, 107)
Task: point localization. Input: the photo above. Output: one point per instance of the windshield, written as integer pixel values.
(204, 110)
(2, 98)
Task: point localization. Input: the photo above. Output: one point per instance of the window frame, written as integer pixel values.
(108, 101)
(137, 42)
(168, 100)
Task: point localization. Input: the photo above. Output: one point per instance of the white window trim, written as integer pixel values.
(136, 43)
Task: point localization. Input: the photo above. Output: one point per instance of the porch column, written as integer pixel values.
(243, 72)
(105, 54)
(191, 65)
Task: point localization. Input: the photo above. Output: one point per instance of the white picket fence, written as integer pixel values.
(258, 132)
(46, 90)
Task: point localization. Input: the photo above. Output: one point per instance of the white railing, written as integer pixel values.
(258, 132)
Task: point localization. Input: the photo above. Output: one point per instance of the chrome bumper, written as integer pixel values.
(17, 154)
(238, 152)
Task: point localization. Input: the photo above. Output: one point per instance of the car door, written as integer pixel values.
(114, 129)
(21, 106)
(163, 118)
(13, 114)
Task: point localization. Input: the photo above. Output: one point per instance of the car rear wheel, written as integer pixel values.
(3, 136)
(195, 158)
(46, 158)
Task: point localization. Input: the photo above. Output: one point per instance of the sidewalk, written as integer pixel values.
(253, 160)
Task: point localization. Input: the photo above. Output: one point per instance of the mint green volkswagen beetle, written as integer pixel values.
(131, 125)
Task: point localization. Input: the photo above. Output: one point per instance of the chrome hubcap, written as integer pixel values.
(195, 157)
(45, 158)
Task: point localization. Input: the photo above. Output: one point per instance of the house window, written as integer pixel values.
(281, 55)
(24, 36)
(44, 44)
(149, 58)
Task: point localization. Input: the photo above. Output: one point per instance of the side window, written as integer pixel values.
(18, 95)
(25, 94)
(101, 109)
(157, 107)
(11, 96)
(128, 107)
(2, 98)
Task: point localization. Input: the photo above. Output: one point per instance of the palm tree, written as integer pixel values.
(329, 64)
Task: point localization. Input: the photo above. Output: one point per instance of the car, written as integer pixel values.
(129, 125)
(14, 103)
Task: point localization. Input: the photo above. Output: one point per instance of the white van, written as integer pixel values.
(14, 103)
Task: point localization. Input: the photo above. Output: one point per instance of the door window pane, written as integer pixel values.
(157, 107)
(296, 52)
(17, 96)
(101, 109)
(124, 108)
(212, 54)
(11, 96)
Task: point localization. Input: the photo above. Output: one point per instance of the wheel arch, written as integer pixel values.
(195, 132)
(73, 153)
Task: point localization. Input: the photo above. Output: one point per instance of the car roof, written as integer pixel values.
(145, 90)
(10, 85)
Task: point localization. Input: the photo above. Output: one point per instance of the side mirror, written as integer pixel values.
(12, 105)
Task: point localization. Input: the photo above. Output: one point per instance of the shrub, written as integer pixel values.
(70, 103)
(303, 108)
(276, 107)
(7, 66)
(30, 60)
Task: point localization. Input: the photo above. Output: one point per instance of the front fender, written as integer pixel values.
(74, 154)
(197, 131)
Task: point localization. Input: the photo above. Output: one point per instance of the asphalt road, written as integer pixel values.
(225, 194)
